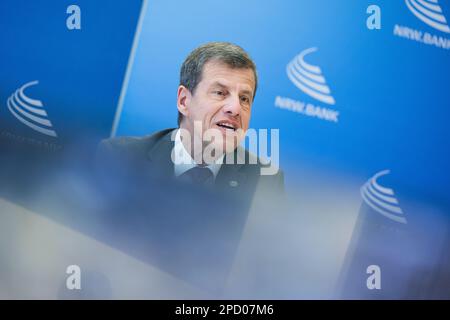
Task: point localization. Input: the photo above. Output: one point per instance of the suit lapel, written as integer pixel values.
(231, 176)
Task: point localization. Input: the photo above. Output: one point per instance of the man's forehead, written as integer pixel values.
(220, 73)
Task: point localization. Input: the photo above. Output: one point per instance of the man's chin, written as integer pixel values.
(229, 145)
(222, 141)
(231, 140)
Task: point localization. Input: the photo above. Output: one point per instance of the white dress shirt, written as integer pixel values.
(184, 162)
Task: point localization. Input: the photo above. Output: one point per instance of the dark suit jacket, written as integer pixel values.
(188, 231)
(152, 153)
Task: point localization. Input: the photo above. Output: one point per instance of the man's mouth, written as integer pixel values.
(227, 125)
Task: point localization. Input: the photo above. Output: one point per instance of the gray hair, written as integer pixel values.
(224, 52)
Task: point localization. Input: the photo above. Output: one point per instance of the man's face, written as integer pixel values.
(222, 100)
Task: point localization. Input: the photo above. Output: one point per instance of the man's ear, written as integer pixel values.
(183, 100)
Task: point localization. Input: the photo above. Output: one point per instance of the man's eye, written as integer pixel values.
(245, 99)
(220, 93)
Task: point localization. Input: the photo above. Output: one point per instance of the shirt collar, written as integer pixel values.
(184, 162)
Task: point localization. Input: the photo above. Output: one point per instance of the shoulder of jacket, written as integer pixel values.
(133, 142)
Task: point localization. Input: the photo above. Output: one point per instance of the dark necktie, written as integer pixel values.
(198, 175)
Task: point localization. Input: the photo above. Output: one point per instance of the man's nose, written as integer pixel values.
(232, 106)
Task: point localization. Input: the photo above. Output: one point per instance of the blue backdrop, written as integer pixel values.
(391, 93)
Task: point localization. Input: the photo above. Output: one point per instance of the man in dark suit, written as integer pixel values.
(218, 83)
(202, 197)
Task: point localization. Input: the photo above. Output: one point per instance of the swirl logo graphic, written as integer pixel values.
(429, 12)
(30, 111)
(308, 78)
(382, 199)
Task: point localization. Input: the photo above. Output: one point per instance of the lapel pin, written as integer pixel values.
(233, 183)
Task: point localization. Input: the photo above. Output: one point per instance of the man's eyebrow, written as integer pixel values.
(219, 84)
(222, 85)
(249, 92)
